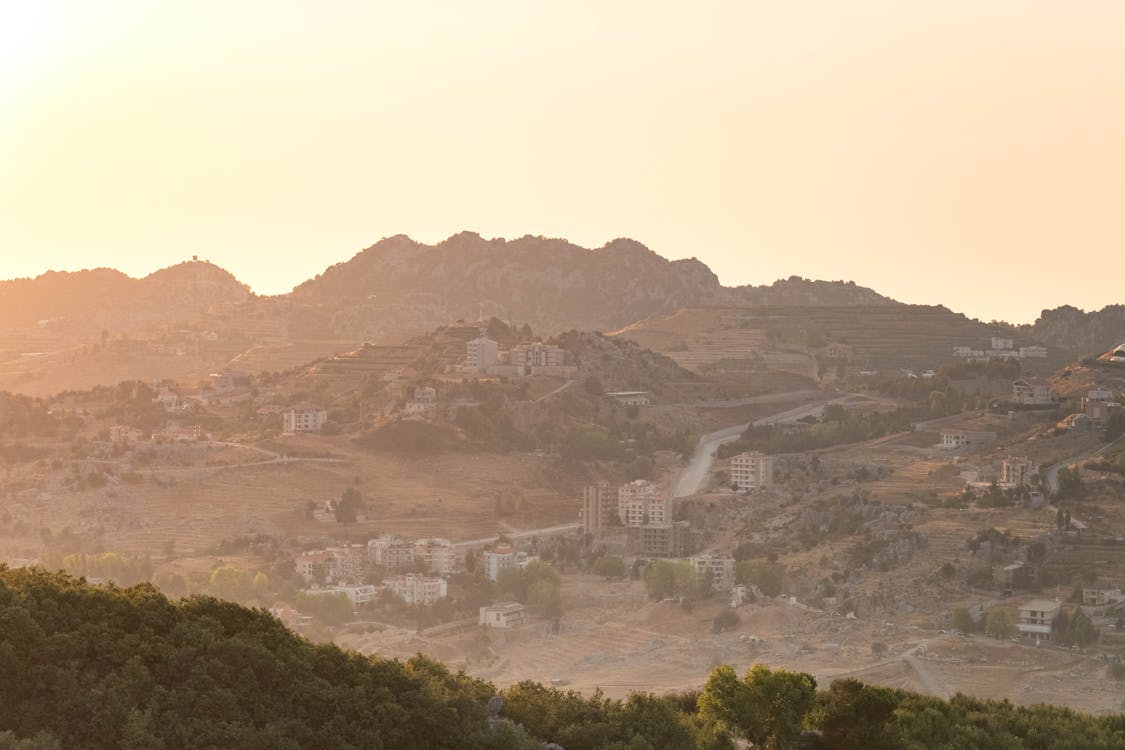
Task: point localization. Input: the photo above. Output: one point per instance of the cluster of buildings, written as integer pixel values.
(640, 512)
(1032, 391)
(1001, 348)
(432, 554)
(345, 568)
(484, 356)
(502, 557)
(1015, 472)
(1095, 409)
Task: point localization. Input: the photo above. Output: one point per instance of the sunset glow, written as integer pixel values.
(919, 149)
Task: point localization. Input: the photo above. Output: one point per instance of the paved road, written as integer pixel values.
(693, 476)
(547, 531)
(1053, 470)
(768, 398)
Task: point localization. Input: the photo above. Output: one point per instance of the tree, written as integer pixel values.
(664, 578)
(727, 619)
(609, 566)
(765, 575)
(999, 623)
(229, 582)
(854, 716)
(768, 707)
(963, 621)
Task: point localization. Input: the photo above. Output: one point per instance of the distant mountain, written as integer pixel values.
(399, 285)
(108, 298)
(1079, 332)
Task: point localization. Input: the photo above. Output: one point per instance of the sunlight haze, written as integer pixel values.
(925, 150)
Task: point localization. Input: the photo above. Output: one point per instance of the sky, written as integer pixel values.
(965, 153)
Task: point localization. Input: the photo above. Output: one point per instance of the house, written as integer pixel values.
(356, 594)
(313, 564)
(837, 350)
(167, 399)
(536, 354)
(599, 508)
(751, 471)
(1016, 472)
(502, 615)
(1036, 617)
(716, 568)
(1030, 391)
(1000, 342)
(1033, 352)
(631, 398)
(304, 418)
(226, 380)
(178, 433)
(954, 439)
(1101, 597)
(390, 551)
(424, 405)
(499, 558)
(416, 589)
(123, 434)
(480, 354)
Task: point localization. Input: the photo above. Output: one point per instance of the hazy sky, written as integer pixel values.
(970, 152)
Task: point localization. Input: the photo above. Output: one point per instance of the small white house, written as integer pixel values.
(502, 615)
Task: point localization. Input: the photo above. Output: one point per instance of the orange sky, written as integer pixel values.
(968, 153)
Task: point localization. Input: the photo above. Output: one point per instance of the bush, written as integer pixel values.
(726, 620)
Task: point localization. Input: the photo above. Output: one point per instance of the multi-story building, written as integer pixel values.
(659, 540)
(599, 508)
(424, 404)
(1036, 618)
(1101, 597)
(536, 354)
(1016, 472)
(499, 558)
(480, 354)
(717, 568)
(304, 418)
(122, 434)
(437, 555)
(639, 502)
(389, 551)
(1033, 352)
(1000, 342)
(502, 615)
(751, 471)
(1031, 391)
(349, 563)
(356, 594)
(954, 439)
(315, 565)
(416, 589)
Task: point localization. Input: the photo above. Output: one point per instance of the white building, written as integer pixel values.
(437, 555)
(304, 418)
(1033, 352)
(536, 354)
(356, 594)
(123, 434)
(480, 354)
(499, 558)
(1036, 618)
(1016, 472)
(1100, 394)
(502, 615)
(1100, 597)
(999, 342)
(416, 589)
(390, 551)
(717, 568)
(751, 471)
(1032, 391)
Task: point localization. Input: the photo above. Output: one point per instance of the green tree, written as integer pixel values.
(767, 576)
(963, 621)
(854, 716)
(1000, 623)
(609, 566)
(768, 707)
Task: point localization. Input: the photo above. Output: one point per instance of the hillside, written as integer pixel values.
(96, 668)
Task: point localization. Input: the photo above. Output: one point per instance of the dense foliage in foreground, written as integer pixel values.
(90, 667)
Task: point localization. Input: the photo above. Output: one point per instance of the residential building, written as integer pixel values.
(631, 398)
(499, 558)
(599, 508)
(502, 615)
(717, 568)
(954, 439)
(1100, 394)
(480, 354)
(1031, 391)
(437, 555)
(424, 404)
(304, 418)
(416, 589)
(639, 502)
(659, 540)
(536, 354)
(179, 433)
(999, 342)
(837, 350)
(751, 471)
(1036, 617)
(226, 380)
(1016, 472)
(1101, 597)
(167, 399)
(123, 434)
(1033, 352)
(315, 565)
(361, 594)
(389, 551)
(349, 563)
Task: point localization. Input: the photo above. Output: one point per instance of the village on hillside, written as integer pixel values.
(584, 510)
